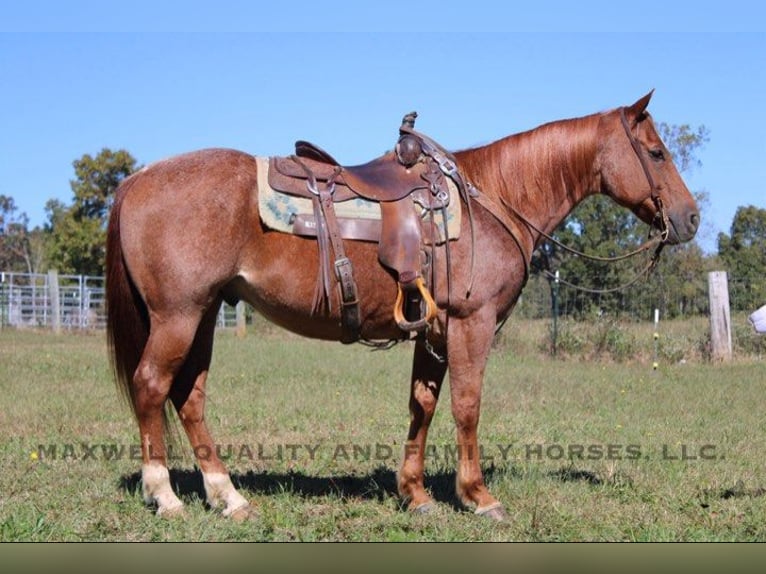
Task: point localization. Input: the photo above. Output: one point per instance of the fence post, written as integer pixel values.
(555, 310)
(656, 362)
(53, 297)
(720, 316)
(3, 305)
(240, 314)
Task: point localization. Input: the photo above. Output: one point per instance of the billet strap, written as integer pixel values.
(327, 229)
(344, 271)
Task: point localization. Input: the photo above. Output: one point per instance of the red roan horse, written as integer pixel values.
(185, 234)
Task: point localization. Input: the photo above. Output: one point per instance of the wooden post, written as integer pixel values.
(720, 317)
(656, 362)
(3, 303)
(241, 323)
(53, 297)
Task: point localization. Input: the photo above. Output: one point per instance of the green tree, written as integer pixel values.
(683, 142)
(743, 253)
(76, 234)
(14, 238)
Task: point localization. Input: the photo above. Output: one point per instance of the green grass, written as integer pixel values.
(339, 416)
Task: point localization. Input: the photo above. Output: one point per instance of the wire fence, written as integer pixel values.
(78, 301)
(543, 298)
(28, 300)
(36, 300)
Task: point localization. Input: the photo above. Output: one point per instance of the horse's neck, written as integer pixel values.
(542, 174)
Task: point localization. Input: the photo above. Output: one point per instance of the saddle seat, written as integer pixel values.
(383, 179)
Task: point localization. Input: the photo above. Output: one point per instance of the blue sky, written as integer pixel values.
(161, 80)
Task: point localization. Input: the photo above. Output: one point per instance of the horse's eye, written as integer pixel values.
(657, 154)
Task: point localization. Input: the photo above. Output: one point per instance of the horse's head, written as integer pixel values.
(637, 171)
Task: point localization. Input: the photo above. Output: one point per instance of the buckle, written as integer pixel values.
(343, 269)
(447, 166)
(311, 185)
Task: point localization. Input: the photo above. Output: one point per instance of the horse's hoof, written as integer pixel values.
(177, 511)
(242, 513)
(425, 508)
(494, 511)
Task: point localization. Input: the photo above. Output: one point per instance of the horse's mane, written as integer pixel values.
(523, 168)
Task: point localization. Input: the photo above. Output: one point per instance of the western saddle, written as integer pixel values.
(414, 171)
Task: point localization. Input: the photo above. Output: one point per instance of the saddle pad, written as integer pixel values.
(278, 210)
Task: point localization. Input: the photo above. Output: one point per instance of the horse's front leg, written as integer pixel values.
(469, 344)
(427, 377)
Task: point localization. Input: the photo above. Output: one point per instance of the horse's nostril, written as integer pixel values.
(694, 219)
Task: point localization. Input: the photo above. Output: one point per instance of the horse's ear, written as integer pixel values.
(637, 110)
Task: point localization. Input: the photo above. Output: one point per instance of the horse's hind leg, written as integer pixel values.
(188, 396)
(165, 352)
(427, 376)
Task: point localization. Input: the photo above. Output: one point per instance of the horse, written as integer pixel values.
(184, 234)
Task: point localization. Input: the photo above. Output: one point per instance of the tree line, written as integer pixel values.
(72, 240)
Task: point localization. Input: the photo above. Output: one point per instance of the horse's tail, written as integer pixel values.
(127, 323)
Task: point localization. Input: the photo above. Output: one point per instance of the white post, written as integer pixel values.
(656, 338)
(720, 316)
(241, 324)
(53, 297)
(2, 299)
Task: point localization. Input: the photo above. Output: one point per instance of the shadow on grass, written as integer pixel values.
(736, 491)
(377, 485)
(569, 474)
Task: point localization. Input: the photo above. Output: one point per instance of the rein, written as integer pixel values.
(658, 241)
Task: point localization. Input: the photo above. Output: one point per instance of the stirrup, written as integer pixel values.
(421, 323)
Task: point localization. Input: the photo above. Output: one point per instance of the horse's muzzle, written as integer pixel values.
(683, 226)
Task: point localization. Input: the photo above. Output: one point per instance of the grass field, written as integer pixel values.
(577, 449)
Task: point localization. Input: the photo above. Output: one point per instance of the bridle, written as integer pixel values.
(653, 189)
